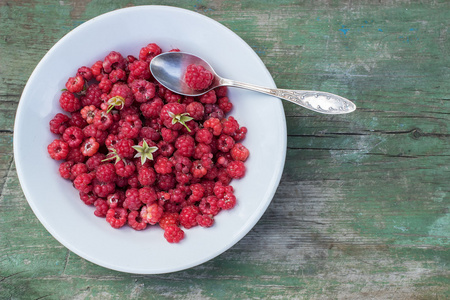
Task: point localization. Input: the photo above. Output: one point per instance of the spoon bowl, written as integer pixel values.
(169, 69)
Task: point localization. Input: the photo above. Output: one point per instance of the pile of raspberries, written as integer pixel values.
(143, 155)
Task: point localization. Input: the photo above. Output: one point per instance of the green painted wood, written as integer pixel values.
(362, 210)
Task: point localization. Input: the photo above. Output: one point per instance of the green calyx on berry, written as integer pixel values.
(144, 152)
(112, 155)
(180, 118)
(115, 101)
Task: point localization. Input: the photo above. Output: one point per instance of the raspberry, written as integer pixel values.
(89, 147)
(64, 169)
(85, 72)
(173, 234)
(139, 70)
(73, 136)
(236, 169)
(147, 195)
(209, 187)
(106, 173)
(149, 134)
(101, 208)
(203, 136)
(103, 189)
(116, 199)
(213, 111)
(77, 169)
(69, 102)
(177, 195)
(165, 149)
(239, 152)
(92, 96)
(152, 213)
(168, 112)
(223, 176)
(196, 110)
(208, 98)
(240, 134)
(185, 145)
(198, 170)
(124, 148)
(132, 201)
(58, 149)
(188, 216)
(152, 108)
(83, 182)
(59, 123)
(97, 69)
(215, 125)
(209, 206)
(205, 220)
(142, 90)
(88, 113)
(117, 75)
(75, 84)
(198, 191)
(165, 181)
(148, 52)
(75, 155)
(225, 143)
(228, 201)
(117, 217)
(124, 168)
(169, 219)
(224, 104)
(221, 91)
(105, 84)
(220, 189)
(146, 176)
(114, 60)
(135, 221)
(200, 150)
(171, 97)
(169, 135)
(230, 126)
(163, 165)
(130, 128)
(92, 131)
(197, 77)
(88, 198)
(122, 90)
(102, 120)
(77, 120)
(94, 161)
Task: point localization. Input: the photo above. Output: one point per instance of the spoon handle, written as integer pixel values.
(321, 102)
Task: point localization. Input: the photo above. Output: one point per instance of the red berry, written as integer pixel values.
(148, 52)
(101, 208)
(75, 84)
(205, 220)
(124, 148)
(135, 221)
(196, 110)
(89, 147)
(173, 234)
(139, 70)
(106, 173)
(132, 201)
(197, 77)
(214, 125)
(169, 219)
(239, 152)
(142, 90)
(208, 98)
(85, 72)
(163, 165)
(64, 169)
(83, 182)
(58, 149)
(73, 136)
(124, 168)
(59, 123)
(114, 60)
(152, 213)
(209, 206)
(147, 195)
(69, 102)
(228, 201)
(117, 217)
(188, 216)
(146, 176)
(185, 145)
(236, 169)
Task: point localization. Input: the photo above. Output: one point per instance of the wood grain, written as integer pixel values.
(362, 210)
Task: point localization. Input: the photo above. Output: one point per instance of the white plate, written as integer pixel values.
(55, 202)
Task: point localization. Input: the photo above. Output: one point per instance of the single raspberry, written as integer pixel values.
(147, 195)
(143, 90)
(102, 120)
(223, 177)
(239, 152)
(77, 120)
(148, 52)
(105, 84)
(58, 149)
(197, 77)
(146, 176)
(178, 194)
(135, 221)
(88, 198)
(152, 213)
(236, 169)
(92, 96)
(88, 113)
(92, 131)
(168, 114)
(122, 90)
(213, 111)
(89, 147)
(130, 128)
(209, 206)
(183, 178)
(117, 75)
(208, 98)
(64, 169)
(225, 143)
(200, 150)
(169, 135)
(170, 96)
(69, 102)
(163, 165)
(196, 110)
(181, 163)
(152, 108)
(124, 168)
(228, 201)
(209, 187)
(111, 141)
(188, 216)
(203, 135)
(214, 125)
(75, 155)
(59, 123)
(173, 234)
(116, 199)
(240, 134)
(94, 161)
(169, 219)
(185, 145)
(117, 217)
(165, 182)
(212, 173)
(101, 208)
(230, 125)
(124, 148)
(205, 220)
(223, 159)
(97, 69)
(132, 201)
(198, 170)
(149, 134)
(78, 169)
(220, 189)
(114, 60)
(106, 172)
(83, 182)
(73, 136)
(139, 70)
(75, 84)
(224, 104)
(165, 149)
(103, 189)
(85, 72)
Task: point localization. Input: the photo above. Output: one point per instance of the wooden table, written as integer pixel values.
(362, 210)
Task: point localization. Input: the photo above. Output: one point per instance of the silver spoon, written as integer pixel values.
(169, 69)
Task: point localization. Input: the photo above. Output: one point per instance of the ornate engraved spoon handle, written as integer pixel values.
(321, 102)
